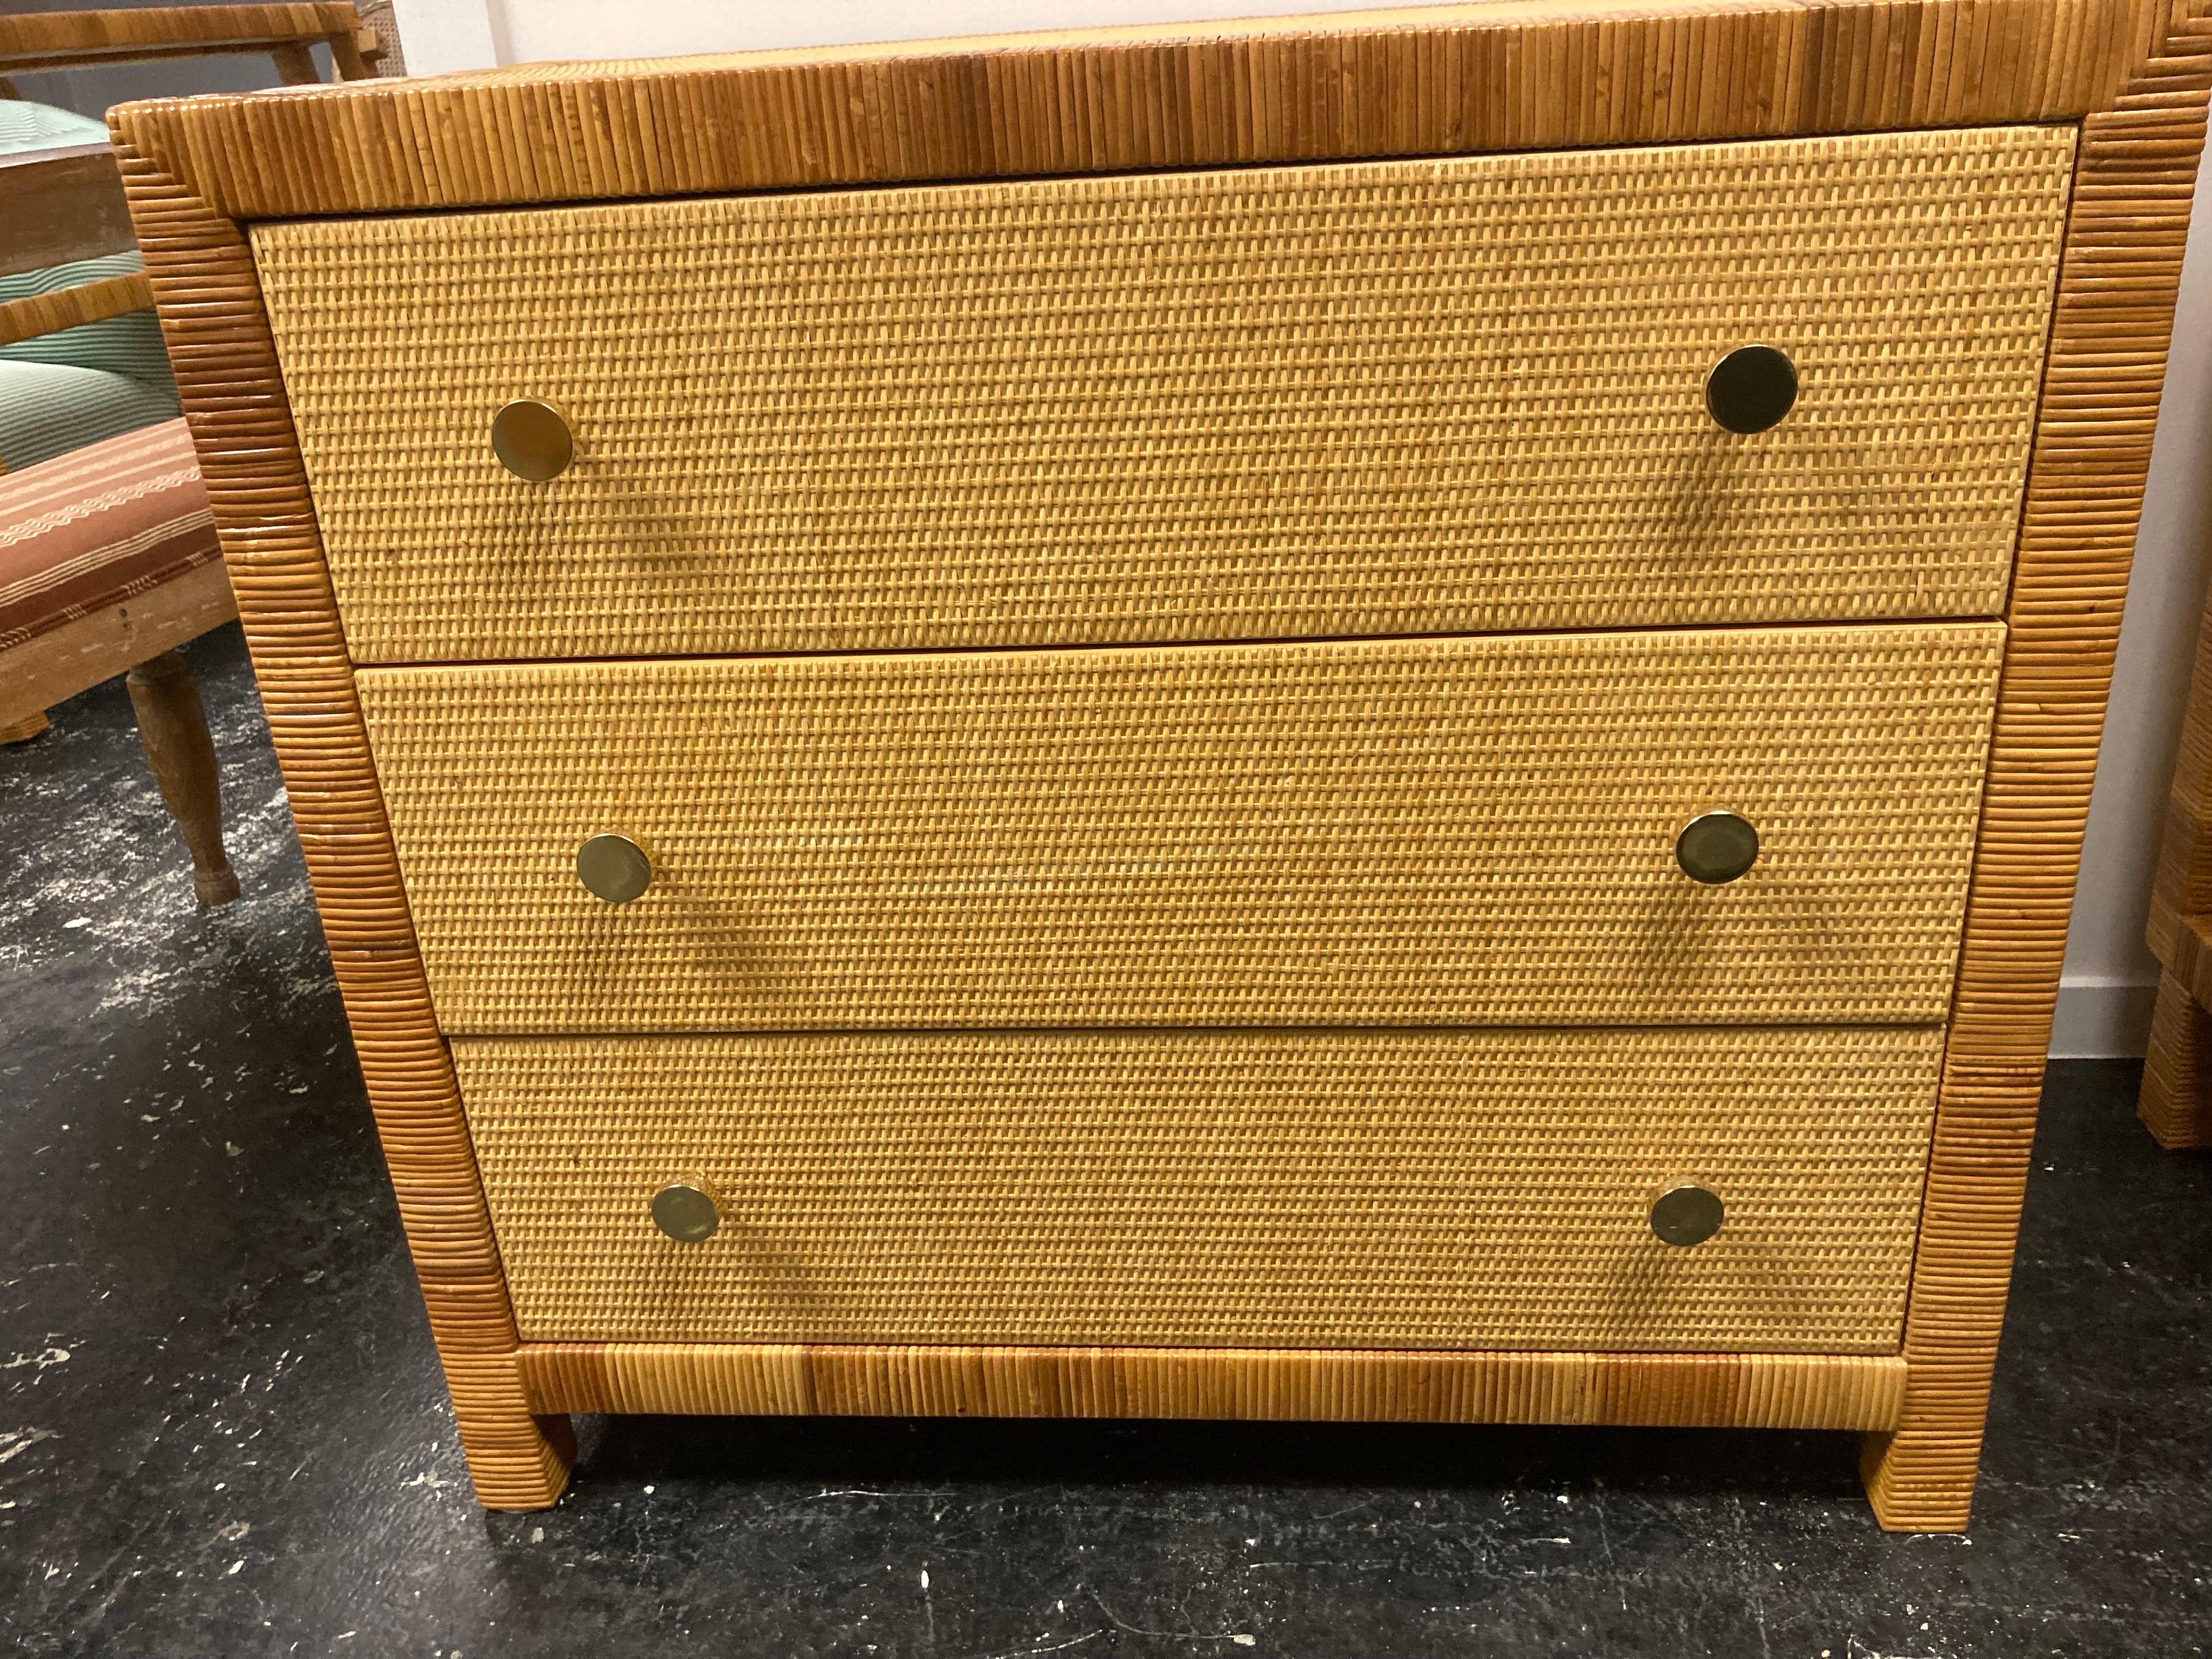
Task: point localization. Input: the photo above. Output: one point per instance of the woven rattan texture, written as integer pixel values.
(1297, 1189)
(1388, 397)
(1458, 831)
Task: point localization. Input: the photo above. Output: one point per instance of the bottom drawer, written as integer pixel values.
(1336, 1189)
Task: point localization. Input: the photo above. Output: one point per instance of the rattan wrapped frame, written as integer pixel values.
(2134, 73)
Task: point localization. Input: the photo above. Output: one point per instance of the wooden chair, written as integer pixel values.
(107, 563)
(2176, 1103)
(108, 559)
(66, 203)
(47, 40)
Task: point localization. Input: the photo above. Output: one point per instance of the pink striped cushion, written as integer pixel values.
(97, 526)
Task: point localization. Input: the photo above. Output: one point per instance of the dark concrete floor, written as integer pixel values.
(224, 1433)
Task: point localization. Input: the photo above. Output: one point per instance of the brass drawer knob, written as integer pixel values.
(1687, 1215)
(1751, 388)
(1716, 847)
(614, 868)
(686, 1212)
(530, 438)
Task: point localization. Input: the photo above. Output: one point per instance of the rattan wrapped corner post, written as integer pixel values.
(1382, 717)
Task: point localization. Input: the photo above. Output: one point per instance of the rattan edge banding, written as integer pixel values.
(1796, 1391)
(2112, 322)
(219, 344)
(1454, 83)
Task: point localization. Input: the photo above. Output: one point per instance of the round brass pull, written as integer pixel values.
(687, 1211)
(1751, 388)
(1716, 847)
(531, 440)
(614, 868)
(1687, 1215)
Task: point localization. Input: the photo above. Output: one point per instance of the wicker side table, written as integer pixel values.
(2175, 1104)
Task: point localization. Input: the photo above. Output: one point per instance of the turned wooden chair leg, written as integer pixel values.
(172, 726)
(2176, 1103)
(32, 725)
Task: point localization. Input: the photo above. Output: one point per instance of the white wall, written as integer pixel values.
(2104, 1007)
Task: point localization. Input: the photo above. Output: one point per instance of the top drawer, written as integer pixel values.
(1397, 397)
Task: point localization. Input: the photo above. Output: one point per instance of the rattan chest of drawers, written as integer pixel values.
(1382, 717)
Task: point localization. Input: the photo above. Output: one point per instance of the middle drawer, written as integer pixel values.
(1450, 831)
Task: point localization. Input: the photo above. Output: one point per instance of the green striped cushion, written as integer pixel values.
(128, 345)
(62, 391)
(48, 408)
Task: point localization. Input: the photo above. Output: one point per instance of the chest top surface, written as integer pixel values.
(1512, 74)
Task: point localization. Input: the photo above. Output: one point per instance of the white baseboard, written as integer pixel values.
(2103, 1018)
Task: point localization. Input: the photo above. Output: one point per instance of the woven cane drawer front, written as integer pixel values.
(1280, 1188)
(1384, 397)
(1456, 831)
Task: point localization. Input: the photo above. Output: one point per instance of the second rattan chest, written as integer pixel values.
(1234, 765)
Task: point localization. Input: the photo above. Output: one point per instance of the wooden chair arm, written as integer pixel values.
(66, 203)
(89, 302)
(60, 206)
(37, 41)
